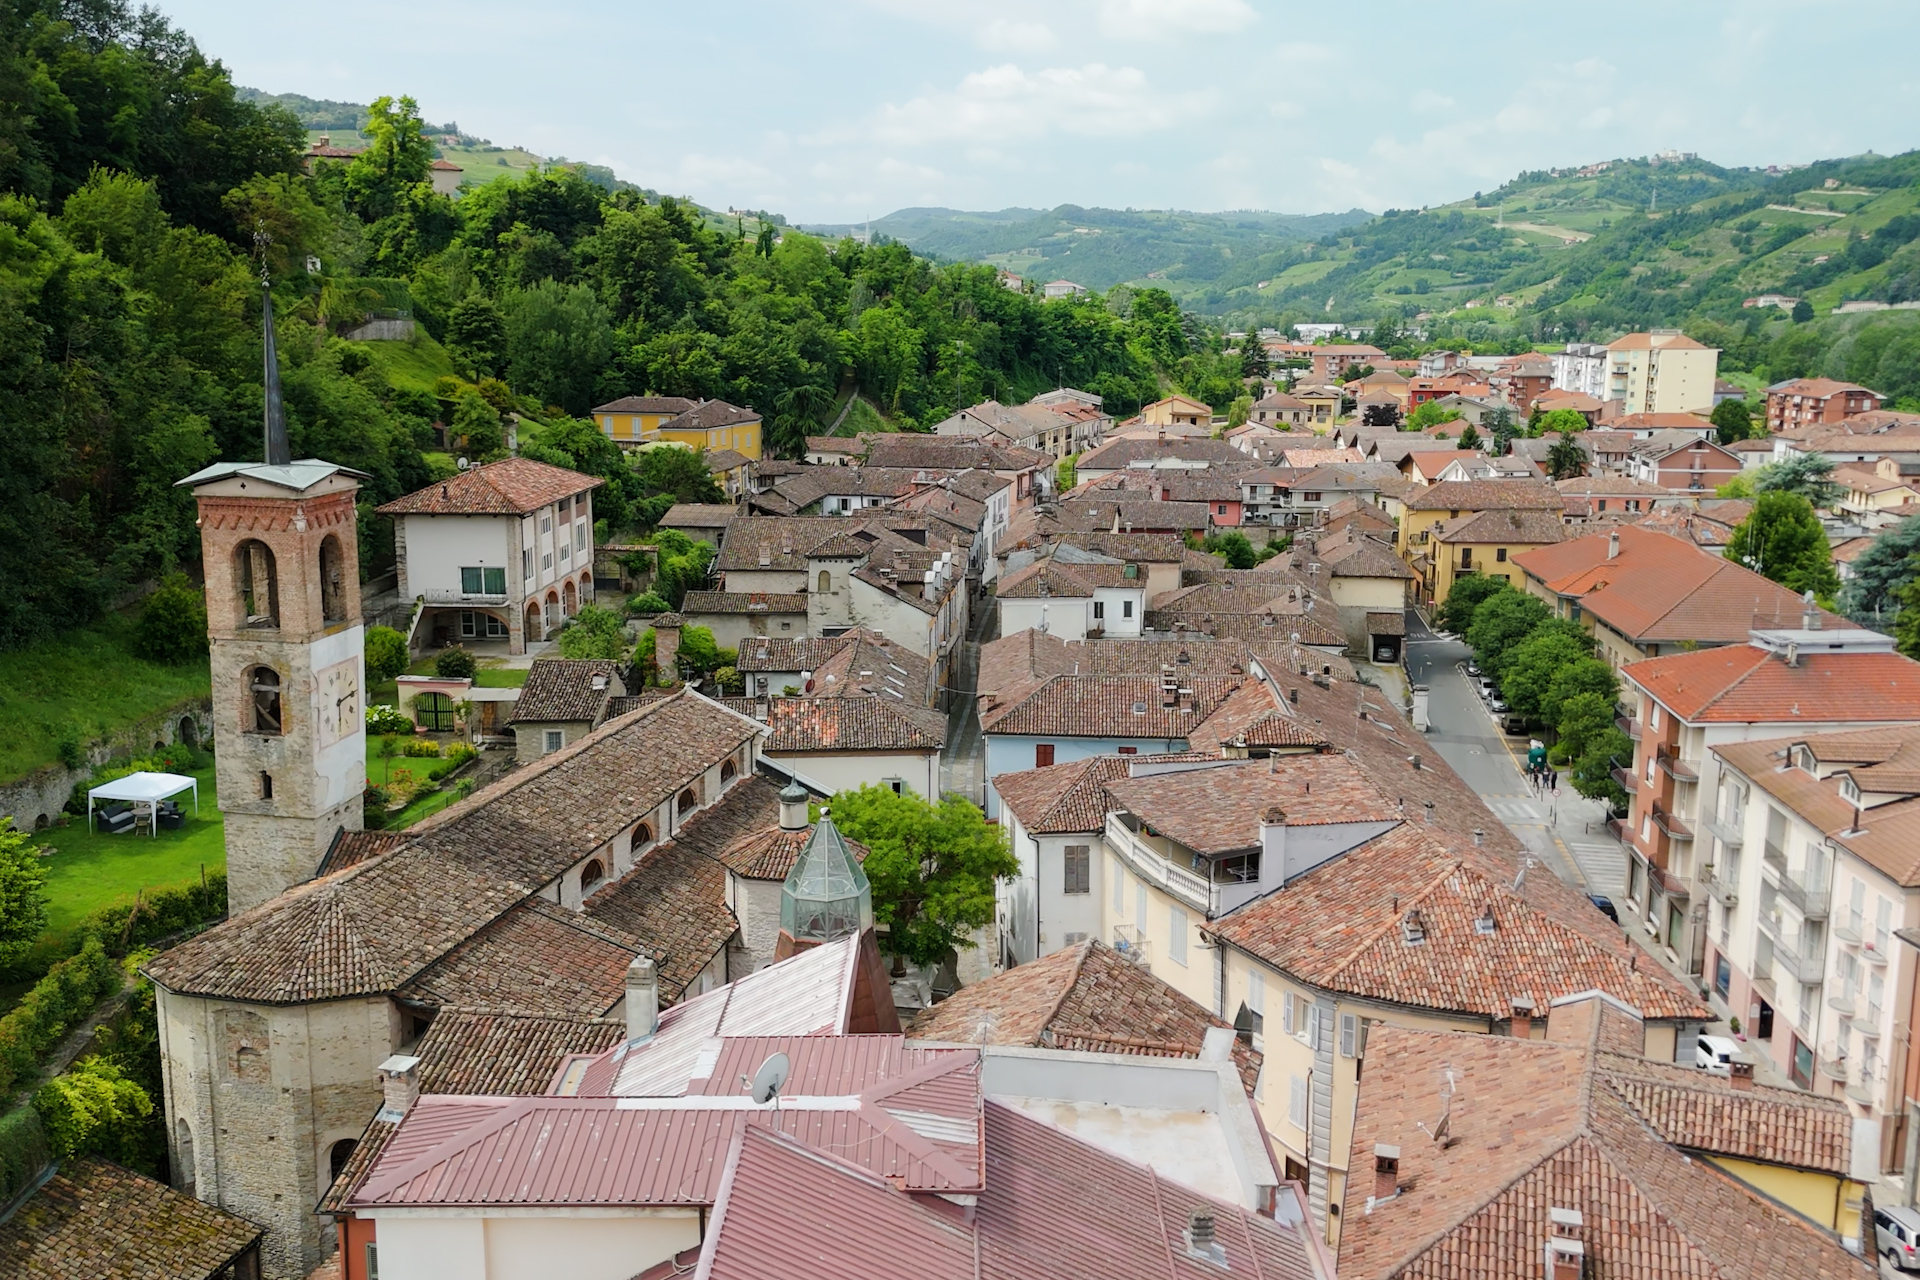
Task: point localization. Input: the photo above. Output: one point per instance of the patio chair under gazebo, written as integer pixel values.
(146, 790)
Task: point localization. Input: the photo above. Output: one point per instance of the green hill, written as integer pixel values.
(1612, 246)
(1186, 252)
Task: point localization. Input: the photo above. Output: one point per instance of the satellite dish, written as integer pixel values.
(771, 1075)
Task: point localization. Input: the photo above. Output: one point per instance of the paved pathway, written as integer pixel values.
(963, 764)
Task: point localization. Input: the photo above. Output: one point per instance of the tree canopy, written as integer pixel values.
(1783, 540)
(1809, 475)
(1501, 622)
(933, 868)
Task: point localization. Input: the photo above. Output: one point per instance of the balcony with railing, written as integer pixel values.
(1722, 883)
(1874, 948)
(1811, 900)
(1833, 1065)
(1149, 857)
(1628, 725)
(1674, 886)
(1675, 829)
(1127, 940)
(453, 595)
(1676, 768)
(1788, 957)
(1628, 783)
(1729, 831)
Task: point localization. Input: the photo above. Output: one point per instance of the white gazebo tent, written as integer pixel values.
(147, 789)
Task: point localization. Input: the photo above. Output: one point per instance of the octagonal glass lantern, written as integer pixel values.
(826, 895)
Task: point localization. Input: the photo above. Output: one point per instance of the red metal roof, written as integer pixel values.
(911, 1115)
(1054, 1206)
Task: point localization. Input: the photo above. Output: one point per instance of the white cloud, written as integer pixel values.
(1428, 100)
(1008, 103)
(1286, 110)
(1003, 35)
(1155, 19)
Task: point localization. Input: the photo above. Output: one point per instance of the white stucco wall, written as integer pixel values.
(845, 770)
(1013, 753)
(532, 1245)
(1067, 618)
(437, 547)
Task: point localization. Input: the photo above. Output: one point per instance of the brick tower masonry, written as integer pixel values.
(283, 620)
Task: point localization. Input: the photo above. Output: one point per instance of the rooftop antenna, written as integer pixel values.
(1521, 879)
(1442, 1129)
(278, 454)
(769, 1078)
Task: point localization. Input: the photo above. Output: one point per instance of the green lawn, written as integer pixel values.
(89, 870)
(83, 685)
(415, 365)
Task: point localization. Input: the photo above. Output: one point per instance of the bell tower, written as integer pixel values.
(278, 540)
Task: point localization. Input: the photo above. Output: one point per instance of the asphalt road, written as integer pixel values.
(1565, 831)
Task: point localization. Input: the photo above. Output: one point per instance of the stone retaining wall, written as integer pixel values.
(36, 800)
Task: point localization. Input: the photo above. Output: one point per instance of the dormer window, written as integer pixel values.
(1801, 757)
(1849, 789)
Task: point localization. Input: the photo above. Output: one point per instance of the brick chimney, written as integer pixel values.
(643, 998)
(1742, 1075)
(399, 1084)
(1522, 1018)
(1566, 1246)
(666, 644)
(1386, 1171)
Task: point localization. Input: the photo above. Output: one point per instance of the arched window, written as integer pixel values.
(263, 701)
(591, 877)
(686, 804)
(333, 580)
(183, 1169)
(570, 602)
(433, 712)
(551, 619)
(728, 771)
(826, 582)
(338, 1155)
(642, 837)
(257, 584)
(533, 622)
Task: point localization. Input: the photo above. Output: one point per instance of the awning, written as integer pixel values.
(147, 789)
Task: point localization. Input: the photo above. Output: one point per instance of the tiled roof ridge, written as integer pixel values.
(1453, 1222)
(1367, 941)
(1066, 988)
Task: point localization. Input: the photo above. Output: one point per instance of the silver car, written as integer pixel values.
(1896, 1236)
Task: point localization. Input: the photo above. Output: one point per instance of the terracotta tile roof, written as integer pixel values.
(784, 653)
(1118, 455)
(699, 515)
(1663, 589)
(1054, 1205)
(1066, 799)
(837, 444)
(1219, 808)
(509, 487)
(1044, 579)
(351, 848)
(1742, 684)
(918, 451)
(1667, 341)
(96, 1221)
(1820, 388)
(1350, 553)
(353, 1173)
(371, 927)
(1882, 760)
(1142, 548)
(1340, 927)
(674, 899)
(723, 460)
(770, 854)
(1104, 707)
(563, 689)
(1539, 528)
(853, 723)
(783, 541)
(1536, 1125)
(1483, 495)
(1249, 717)
(1610, 485)
(731, 602)
(617, 707)
(1087, 997)
(539, 956)
(647, 404)
(475, 1051)
(709, 414)
(1099, 511)
(867, 662)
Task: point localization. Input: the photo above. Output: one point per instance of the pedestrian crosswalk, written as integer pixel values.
(1517, 809)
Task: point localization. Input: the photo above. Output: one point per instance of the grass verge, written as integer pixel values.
(91, 869)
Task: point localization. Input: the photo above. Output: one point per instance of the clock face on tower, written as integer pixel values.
(339, 710)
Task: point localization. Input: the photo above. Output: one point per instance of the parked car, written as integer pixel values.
(1497, 704)
(1513, 725)
(1473, 671)
(1896, 1236)
(1715, 1054)
(1487, 689)
(1605, 907)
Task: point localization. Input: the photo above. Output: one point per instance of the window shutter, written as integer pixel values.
(1079, 871)
(1286, 1012)
(1349, 1035)
(1042, 754)
(1297, 1101)
(1257, 992)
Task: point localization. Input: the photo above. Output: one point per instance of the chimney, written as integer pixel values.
(1793, 653)
(1566, 1251)
(1414, 761)
(1386, 1171)
(1742, 1075)
(1479, 837)
(793, 807)
(666, 646)
(1809, 613)
(1200, 1232)
(643, 998)
(1522, 1027)
(1427, 806)
(1613, 544)
(399, 1084)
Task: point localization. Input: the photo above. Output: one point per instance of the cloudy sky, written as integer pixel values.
(845, 109)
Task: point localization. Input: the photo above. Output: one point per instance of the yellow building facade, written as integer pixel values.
(1483, 544)
(712, 425)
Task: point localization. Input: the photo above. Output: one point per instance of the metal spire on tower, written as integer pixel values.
(279, 453)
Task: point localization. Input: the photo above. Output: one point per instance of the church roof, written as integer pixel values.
(370, 928)
(297, 476)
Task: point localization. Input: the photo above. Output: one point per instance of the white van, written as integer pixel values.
(1715, 1054)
